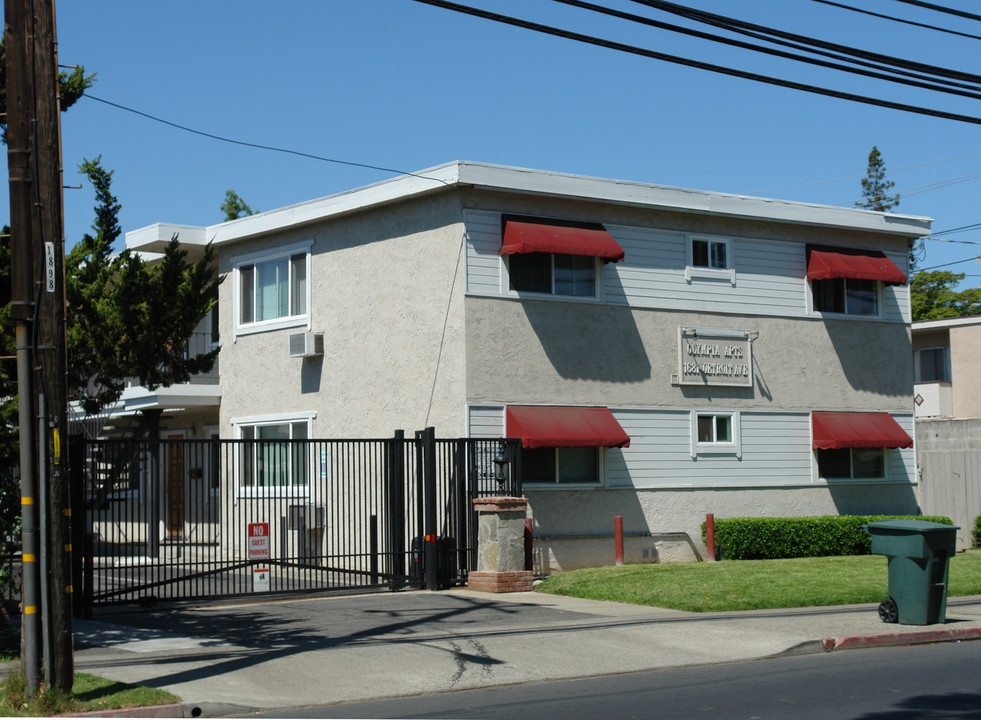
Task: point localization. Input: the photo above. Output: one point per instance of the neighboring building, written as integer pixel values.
(948, 413)
(663, 353)
(945, 365)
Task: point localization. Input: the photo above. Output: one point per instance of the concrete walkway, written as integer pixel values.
(226, 659)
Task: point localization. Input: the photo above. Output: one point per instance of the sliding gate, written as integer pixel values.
(189, 519)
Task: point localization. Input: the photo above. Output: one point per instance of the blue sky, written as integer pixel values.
(401, 85)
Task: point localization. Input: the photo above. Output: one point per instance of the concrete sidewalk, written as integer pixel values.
(226, 659)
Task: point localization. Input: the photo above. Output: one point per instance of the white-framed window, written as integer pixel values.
(933, 364)
(714, 432)
(272, 289)
(562, 466)
(553, 274)
(852, 463)
(846, 296)
(710, 257)
(274, 458)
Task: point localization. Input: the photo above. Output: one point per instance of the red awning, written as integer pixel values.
(530, 237)
(829, 263)
(838, 430)
(565, 427)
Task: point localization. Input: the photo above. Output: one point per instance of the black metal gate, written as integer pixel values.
(192, 519)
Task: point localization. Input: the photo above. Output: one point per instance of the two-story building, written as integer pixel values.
(662, 353)
(947, 397)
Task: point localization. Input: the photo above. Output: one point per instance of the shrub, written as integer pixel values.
(976, 534)
(768, 538)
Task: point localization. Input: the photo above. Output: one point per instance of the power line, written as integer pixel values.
(766, 79)
(901, 76)
(258, 146)
(856, 177)
(899, 20)
(942, 9)
(743, 27)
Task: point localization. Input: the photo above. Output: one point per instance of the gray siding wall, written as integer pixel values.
(769, 274)
(775, 451)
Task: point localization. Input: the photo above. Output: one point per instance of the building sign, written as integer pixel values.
(257, 547)
(715, 356)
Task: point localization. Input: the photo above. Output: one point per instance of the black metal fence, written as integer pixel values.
(188, 519)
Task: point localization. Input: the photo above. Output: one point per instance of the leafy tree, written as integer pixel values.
(933, 296)
(127, 317)
(71, 87)
(235, 207)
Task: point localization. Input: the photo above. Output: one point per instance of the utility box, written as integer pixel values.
(919, 559)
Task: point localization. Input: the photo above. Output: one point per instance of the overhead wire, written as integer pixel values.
(942, 9)
(900, 76)
(893, 18)
(697, 64)
(744, 27)
(258, 146)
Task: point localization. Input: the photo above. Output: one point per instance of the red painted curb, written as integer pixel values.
(907, 638)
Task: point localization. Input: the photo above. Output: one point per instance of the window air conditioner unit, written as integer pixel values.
(306, 344)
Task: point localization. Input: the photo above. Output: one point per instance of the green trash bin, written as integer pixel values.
(919, 555)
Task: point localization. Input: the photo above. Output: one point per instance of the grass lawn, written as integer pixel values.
(89, 693)
(751, 584)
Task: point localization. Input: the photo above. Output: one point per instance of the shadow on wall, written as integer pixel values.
(593, 343)
(575, 530)
(856, 342)
(853, 499)
(310, 373)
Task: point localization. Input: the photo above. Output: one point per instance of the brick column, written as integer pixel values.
(501, 546)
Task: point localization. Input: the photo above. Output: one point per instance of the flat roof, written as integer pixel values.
(532, 182)
(946, 323)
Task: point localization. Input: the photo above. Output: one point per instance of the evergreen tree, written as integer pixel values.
(129, 318)
(235, 207)
(875, 187)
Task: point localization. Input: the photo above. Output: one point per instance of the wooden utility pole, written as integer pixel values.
(20, 99)
(37, 256)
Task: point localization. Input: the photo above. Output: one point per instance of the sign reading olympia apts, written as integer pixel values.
(715, 356)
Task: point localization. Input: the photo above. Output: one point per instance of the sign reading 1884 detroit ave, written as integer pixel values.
(715, 356)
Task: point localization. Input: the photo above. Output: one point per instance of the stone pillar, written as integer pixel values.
(501, 546)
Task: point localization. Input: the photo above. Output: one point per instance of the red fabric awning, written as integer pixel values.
(829, 263)
(565, 427)
(530, 237)
(838, 430)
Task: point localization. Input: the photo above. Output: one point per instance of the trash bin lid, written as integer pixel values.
(912, 526)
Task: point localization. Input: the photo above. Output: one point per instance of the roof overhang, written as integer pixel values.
(501, 178)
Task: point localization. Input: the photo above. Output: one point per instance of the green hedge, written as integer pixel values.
(977, 531)
(776, 537)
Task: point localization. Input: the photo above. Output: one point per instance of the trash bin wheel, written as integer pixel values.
(888, 612)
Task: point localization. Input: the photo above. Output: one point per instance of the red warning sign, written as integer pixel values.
(258, 541)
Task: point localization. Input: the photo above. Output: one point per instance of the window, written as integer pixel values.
(846, 296)
(852, 463)
(710, 254)
(711, 258)
(272, 289)
(715, 432)
(563, 465)
(553, 273)
(273, 456)
(933, 365)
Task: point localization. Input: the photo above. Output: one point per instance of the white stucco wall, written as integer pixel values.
(386, 291)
